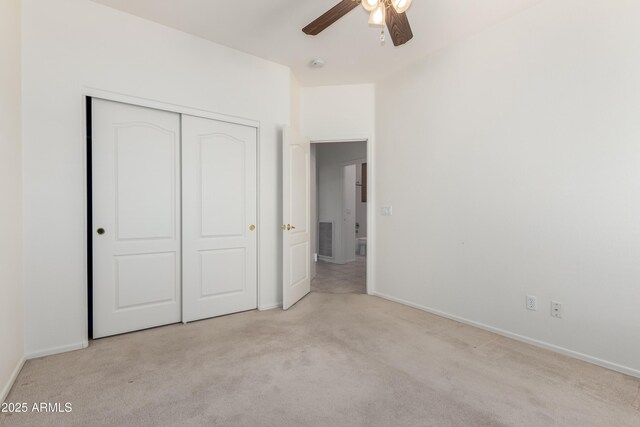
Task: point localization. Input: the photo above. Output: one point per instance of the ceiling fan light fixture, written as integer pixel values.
(398, 24)
(370, 5)
(400, 6)
(377, 16)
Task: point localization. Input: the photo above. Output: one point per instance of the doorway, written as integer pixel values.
(339, 214)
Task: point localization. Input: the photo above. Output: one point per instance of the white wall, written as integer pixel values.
(71, 44)
(330, 160)
(517, 152)
(11, 307)
(337, 112)
(294, 101)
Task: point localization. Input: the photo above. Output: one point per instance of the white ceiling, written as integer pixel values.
(271, 29)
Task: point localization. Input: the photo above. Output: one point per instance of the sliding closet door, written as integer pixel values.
(136, 218)
(219, 216)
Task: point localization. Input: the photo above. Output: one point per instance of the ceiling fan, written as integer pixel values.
(391, 12)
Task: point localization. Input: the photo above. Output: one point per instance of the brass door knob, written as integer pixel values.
(252, 227)
(290, 227)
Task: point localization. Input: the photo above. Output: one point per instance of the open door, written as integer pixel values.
(296, 217)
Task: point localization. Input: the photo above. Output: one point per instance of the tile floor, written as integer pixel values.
(350, 278)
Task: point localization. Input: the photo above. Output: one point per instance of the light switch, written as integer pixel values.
(387, 210)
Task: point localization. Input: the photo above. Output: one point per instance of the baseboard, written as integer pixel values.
(269, 307)
(14, 375)
(552, 347)
(57, 350)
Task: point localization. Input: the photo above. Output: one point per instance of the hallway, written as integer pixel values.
(350, 278)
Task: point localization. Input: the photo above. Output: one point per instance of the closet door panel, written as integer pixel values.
(219, 218)
(136, 218)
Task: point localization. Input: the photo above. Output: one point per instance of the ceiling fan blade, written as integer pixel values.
(398, 26)
(331, 16)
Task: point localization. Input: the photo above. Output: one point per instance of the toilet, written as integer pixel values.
(362, 246)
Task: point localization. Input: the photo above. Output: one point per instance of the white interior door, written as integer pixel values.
(136, 218)
(349, 212)
(296, 214)
(219, 203)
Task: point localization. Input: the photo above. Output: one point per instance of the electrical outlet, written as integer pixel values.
(556, 309)
(532, 303)
(315, 257)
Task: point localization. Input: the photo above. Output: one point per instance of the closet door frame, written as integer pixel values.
(88, 93)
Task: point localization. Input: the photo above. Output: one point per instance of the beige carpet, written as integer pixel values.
(335, 359)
